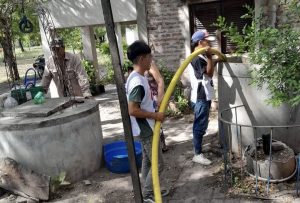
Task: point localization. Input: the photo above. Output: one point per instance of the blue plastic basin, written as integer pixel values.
(116, 156)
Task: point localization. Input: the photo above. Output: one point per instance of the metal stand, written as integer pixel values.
(228, 149)
(298, 174)
(51, 34)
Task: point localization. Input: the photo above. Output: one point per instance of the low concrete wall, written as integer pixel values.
(234, 89)
(69, 141)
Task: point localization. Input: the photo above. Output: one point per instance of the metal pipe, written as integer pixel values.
(238, 138)
(230, 153)
(270, 161)
(256, 168)
(298, 173)
(255, 127)
(252, 126)
(224, 150)
(275, 180)
(241, 149)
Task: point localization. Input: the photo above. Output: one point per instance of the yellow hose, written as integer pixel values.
(164, 103)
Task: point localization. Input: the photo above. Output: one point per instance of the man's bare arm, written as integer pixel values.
(135, 110)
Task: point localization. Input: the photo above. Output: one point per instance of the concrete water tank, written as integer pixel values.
(60, 135)
(234, 89)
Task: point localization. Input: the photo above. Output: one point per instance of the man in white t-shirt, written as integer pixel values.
(142, 112)
(201, 71)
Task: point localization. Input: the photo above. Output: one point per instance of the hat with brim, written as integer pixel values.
(202, 35)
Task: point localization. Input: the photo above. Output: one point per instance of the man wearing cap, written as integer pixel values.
(70, 78)
(200, 72)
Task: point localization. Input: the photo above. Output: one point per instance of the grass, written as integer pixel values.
(29, 54)
(26, 59)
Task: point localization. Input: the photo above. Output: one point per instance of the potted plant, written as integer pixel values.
(96, 85)
(267, 83)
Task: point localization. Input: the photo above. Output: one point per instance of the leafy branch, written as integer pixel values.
(276, 49)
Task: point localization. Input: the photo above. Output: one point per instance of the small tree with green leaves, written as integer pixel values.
(7, 8)
(9, 31)
(276, 49)
(72, 38)
(27, 39)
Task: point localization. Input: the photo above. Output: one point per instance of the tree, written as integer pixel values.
(100, 34)
(9, 31)
(26, 39)
(6, 36)
(72, 38)
(275, 48)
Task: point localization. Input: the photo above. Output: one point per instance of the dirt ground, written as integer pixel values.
(109, 187)
(187, 181)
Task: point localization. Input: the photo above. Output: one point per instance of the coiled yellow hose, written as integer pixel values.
(164, 103)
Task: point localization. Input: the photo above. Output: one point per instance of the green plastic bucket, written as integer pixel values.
(34, 90)
(19, 95)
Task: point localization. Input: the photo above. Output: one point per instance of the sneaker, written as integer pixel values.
(201, 159)
(148, 199)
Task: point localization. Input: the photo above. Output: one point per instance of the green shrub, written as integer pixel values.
(170, 113)
(275, 49)
(90, 70)
(104, 48)
(105, 62)
(72, 38)
(125, 47)
(167, 75)
(93, 80)
(182, 103)
(127, 64)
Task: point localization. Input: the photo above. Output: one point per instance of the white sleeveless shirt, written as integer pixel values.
(135, 79)
(206, 82)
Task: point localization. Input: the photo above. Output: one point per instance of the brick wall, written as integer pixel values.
(165, 31)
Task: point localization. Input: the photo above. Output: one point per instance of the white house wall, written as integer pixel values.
(70, 13)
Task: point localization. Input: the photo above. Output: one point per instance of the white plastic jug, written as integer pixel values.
(10, 102)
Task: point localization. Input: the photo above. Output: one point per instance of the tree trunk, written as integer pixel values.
(21, 45)
(6, 42)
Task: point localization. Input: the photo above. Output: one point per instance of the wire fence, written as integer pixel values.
(231, 127)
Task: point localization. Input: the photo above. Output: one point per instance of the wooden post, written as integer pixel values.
(113, 46)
